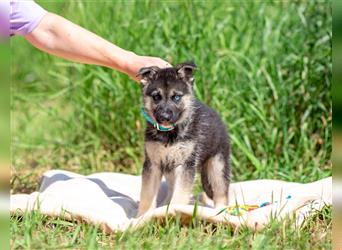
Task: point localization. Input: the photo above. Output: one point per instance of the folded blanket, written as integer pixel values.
(111, 200)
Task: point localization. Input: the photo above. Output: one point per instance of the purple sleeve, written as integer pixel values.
(24, 16)
(4, 19)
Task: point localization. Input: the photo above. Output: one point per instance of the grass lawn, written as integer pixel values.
(264, 66)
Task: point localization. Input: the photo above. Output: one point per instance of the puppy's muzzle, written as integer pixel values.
(165, 115)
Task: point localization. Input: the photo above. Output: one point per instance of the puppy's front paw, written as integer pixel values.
(139, 214)
(221, 201)
(181, 198)
(143, 210)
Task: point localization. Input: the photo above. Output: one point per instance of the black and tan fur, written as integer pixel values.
(198, 141)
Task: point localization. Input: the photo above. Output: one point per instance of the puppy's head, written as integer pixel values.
(168, 93)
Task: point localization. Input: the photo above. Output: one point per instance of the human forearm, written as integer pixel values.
(58, 36)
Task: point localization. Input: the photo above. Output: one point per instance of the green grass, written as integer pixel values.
(264, 66)
(37, 231)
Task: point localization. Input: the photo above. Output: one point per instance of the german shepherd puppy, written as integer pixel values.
(182, 135)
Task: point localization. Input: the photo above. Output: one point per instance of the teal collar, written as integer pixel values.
(155, 124)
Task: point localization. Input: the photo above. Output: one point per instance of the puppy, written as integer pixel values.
(182, 135)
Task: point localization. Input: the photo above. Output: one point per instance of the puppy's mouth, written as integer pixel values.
(169, 123)
(166, 124)
(163, 123)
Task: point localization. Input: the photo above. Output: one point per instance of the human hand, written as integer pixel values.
(138, 62)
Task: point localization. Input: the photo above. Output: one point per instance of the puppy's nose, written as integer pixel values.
(166, 115)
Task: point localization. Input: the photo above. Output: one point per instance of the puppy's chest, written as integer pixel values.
(170, 155)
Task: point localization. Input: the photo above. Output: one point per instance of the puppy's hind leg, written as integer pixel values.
(151, 177)
(215, 179)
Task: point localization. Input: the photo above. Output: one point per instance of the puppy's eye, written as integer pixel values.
(156, 97)
(176, 98)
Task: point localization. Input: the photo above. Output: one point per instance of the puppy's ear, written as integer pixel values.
(186, 71)
(146, 74)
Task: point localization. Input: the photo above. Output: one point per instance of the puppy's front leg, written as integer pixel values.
(183, 182)
(151, 177)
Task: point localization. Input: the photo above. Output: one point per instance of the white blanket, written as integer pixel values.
(111, 200)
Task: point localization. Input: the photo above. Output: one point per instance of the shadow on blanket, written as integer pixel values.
(111, 200)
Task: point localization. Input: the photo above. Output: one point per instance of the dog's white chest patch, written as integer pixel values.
(176, 153)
